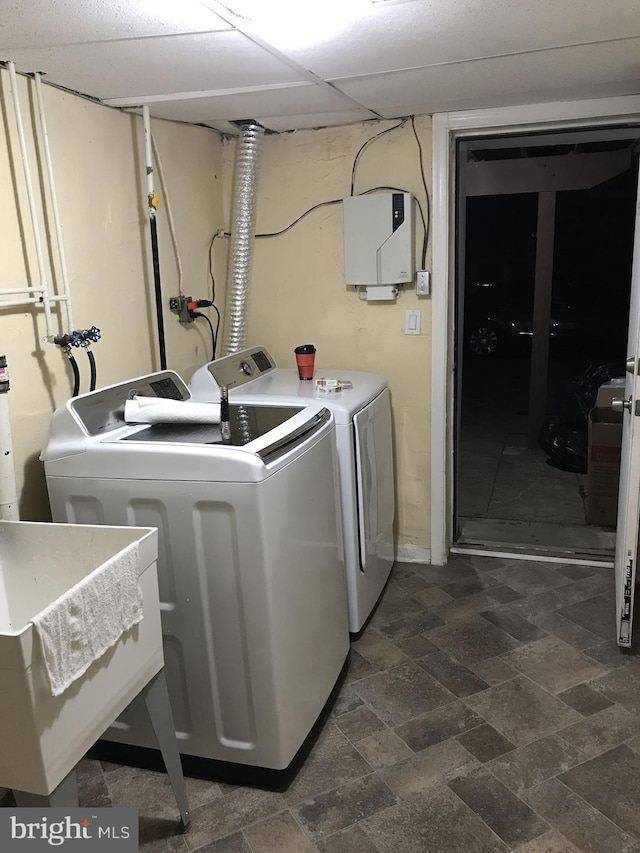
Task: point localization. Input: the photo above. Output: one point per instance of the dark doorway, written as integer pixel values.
(515, 489)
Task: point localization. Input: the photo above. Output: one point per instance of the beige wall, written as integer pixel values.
(298, 293)
(99, 165)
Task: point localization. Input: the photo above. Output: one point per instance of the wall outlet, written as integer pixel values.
(179, 306)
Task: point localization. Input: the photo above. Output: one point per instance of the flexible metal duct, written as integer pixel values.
(245, 190)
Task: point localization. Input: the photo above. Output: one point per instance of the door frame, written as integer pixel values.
(447, 129)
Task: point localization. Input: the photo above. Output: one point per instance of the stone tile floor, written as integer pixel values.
(487, 709)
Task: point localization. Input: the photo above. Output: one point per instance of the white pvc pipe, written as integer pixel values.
(16, 291)
(30, 196)
(16, 303)
(54, 200)
(8, 490)
(167, 204)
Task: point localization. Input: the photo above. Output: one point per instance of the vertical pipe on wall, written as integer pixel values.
(245, 190)
(153, 229)
(170, 220)
(55, 210)
(8, 489)
(30, 197)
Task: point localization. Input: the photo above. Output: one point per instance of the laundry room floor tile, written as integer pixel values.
(337, 809)
(235, 843)
(522, 711)
(278, 834)
(487, 709)
(437, 821)
(472, 640)
(333, 761)
(378, 650)
(351, 840)
(401, 693)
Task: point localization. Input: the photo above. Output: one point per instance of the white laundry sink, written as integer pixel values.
(42, 737)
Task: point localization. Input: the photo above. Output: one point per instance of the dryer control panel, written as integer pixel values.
(241, 367)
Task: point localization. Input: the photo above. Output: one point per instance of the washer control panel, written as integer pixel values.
(103, 410)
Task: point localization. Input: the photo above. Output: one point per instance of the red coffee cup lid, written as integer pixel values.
(305, 349)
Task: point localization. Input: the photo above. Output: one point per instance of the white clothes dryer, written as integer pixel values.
(365, 454)
(251, 575)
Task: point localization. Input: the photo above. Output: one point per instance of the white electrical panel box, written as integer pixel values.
(379, 240)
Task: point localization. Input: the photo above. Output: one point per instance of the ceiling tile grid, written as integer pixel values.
(194, 61)
(282, 102)
(158, 65)
(422, 33)
(47, 23)
(567, 73)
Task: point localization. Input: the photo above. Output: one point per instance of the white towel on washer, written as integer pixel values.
(159, 410)
(79, 627)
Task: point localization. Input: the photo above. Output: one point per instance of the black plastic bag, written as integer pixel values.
(565, 445)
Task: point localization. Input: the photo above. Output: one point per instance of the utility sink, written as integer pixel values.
(42, 737)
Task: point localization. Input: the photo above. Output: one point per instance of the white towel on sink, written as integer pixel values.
(79, 627)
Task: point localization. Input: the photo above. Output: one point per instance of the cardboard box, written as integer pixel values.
(608, 392)
(603, 473)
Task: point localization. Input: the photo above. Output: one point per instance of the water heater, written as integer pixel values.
(379, 242)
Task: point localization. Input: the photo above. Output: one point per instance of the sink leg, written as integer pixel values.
(156, 698)
(64, 796)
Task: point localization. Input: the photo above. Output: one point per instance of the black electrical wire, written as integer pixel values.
(339, 201)
(302, 216)
(94, 373)
(427, 226)
(368, 142)
(213, 281)
(213, 334)
(76, 376)
(153, 228)
(213, 293)
(215, 337)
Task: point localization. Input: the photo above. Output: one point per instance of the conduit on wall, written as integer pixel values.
(8, 490)
(55, 210)
(37, 294)
(245, 190)
(153, 201)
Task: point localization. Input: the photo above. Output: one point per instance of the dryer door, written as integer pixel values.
(374, 477)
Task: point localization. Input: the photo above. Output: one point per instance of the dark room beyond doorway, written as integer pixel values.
(544, 259)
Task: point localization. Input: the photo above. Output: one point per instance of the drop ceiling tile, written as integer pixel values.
(303, 98)
(397, 36)
(153, 66)
(223, 127)
(38, 23)
(563, 74)
(308, 121)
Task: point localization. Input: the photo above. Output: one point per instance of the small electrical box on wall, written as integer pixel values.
(379, 242)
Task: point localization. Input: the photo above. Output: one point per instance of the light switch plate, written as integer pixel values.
(412, 321)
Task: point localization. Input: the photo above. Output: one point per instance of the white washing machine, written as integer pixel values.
(251, 573)
(365, 454)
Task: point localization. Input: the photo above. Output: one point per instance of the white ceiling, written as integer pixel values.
(195, 61)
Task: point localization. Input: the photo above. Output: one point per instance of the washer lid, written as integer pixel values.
(90, 438)
(247, 422)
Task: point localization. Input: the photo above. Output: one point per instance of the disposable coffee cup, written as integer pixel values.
(305, 359)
